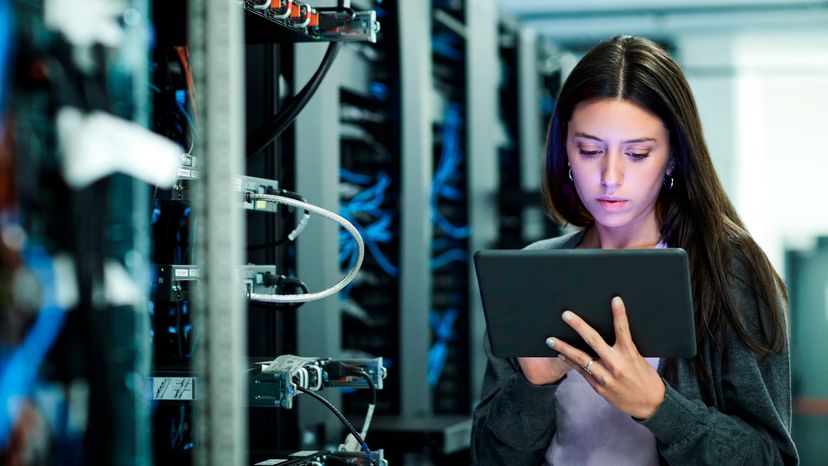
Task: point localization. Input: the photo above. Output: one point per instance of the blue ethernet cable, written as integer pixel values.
(443, 328)
(19, 371)
(450, 159)
(368, 201)
(355, 178)
(6, 50)
(452, 255)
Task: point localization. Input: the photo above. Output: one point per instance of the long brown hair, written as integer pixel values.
(695, 214)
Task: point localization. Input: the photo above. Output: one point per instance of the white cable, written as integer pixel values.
(281, 16)
(318, 371)
(304, 298)
(368, 416)
(262, 6)
(304, 23)
(350, 443)
(300, 226)
(302, 373)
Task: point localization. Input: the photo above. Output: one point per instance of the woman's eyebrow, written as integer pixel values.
(628, 141)
(633, 141)
(588, 136)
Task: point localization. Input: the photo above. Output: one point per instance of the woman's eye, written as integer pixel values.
(638, 155)
(589, 152)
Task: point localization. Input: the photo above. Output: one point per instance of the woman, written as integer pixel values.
(626, 161)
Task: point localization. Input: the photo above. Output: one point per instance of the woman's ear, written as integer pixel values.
(671, 165)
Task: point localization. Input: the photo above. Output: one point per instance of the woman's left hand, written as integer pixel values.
(621, 375)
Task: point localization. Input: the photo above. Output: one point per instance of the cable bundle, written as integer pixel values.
(441, 188)
(367, 204)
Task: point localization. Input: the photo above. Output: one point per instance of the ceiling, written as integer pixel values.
(583, 20)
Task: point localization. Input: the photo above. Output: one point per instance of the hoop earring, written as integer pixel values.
(570, 175)
(672, 181)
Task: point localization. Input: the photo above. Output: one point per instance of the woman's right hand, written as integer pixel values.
(543, 371)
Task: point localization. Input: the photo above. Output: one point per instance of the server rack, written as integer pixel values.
(77, 351)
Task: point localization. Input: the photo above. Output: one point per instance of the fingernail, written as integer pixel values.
(617, 301)
(561, 357)
(568, 315)
(550, 342)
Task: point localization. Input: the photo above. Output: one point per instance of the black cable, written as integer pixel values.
(335, 20)
(344, 420)
(265, 135)
(365, 375)
(338, 9)
(295, 282)
(280, 281)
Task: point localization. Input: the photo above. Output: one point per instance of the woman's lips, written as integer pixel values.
(612, 204)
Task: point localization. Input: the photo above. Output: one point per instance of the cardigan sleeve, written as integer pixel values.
(515, 420)
(752, 424)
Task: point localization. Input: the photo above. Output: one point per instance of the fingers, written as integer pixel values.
(587, 333)
(577, 359)
(620, 321)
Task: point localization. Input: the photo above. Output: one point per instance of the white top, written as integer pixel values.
(590, 431)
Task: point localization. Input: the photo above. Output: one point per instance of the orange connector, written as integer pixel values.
(275, 4)
(295, 10)
(314, 18)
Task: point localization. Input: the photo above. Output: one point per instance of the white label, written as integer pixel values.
(183, 173)
(182, 273)
(173, 388)
(194, 272)
(304, 453)
(194, 174)
(269, 462)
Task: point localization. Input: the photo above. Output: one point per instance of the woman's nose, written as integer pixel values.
(612, 174)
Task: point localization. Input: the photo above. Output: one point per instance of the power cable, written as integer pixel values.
(268, 133)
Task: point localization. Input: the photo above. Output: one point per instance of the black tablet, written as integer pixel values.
(524, 293)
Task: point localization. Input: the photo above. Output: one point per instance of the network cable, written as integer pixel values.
(443, 327)
(344, 421)
(297, 230)
(452, 255)
(368, 203)
(450, 159)
(303, 298)
(6, 46)
(19, 370)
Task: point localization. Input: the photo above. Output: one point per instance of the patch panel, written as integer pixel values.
(300, 22)
(173, 282)
(275, 384)
(189, 173)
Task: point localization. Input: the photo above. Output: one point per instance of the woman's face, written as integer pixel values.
(619, 154)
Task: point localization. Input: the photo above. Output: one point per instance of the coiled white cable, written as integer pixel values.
(307, 297)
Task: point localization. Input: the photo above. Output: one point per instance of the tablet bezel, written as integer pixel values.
(524, 293)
